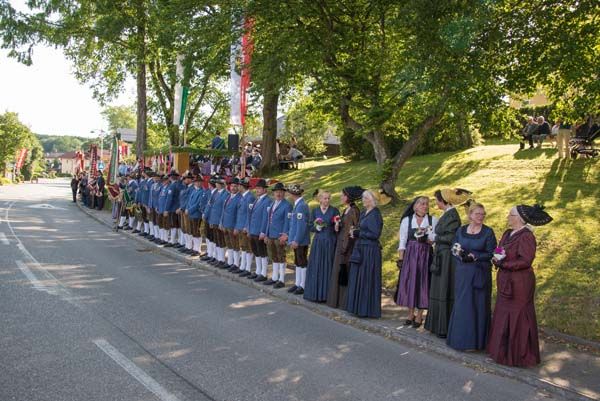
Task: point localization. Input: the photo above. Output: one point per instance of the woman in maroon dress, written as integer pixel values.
(513, 338)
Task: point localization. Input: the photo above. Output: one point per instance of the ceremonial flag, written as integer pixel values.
(181, 94)
(247, 49)
(21, 159)
(239, 60)
(113, 169)
(93, 160)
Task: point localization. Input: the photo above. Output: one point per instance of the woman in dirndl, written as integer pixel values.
(417, 233)
(338, 284)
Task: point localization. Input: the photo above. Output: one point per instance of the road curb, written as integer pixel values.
(412, 337)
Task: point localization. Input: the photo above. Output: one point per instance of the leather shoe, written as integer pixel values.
(234, 269)
(260, 279)
(150, 237)
(279, 284)
(144, 234)
(244, 273)
(293, 288)
(204, 258)
(169, 245)
(135, 231)
(299, 291)
(269, 282)
(252, 276)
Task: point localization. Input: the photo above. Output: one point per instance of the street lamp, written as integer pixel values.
(101, 135)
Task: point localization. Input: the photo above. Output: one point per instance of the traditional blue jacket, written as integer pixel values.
(132, 188)
(299, 231)
(277, 219)
(216, 210)
(144, 191)
(257, 217)
(172, 202)
(243, 209)
(211, 195)
(162, 198)
(184, 194)
(229, 211)
(153, 194)
(193, 204)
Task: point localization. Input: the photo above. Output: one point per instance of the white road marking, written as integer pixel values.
(135, 372)
(45, 206)
(3, 239)
(29, 274)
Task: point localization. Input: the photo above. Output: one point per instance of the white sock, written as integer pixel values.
(156, 232)
(173, 235)
(181, 237)
(298, 277)
(131, 219)
(236, 258)
(242, 261)
(282, 272)
(209, 248)
(146, 228)
(151, 227)
(275, 274)
(265, 266)
(121, 221)
(139, 226)
(249, 257)
(303, 276)
(258, 263)
(222, 254)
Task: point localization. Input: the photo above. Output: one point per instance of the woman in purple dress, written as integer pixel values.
(322, 249)
(417, 233)
(471, 314)
(364, 277)
(514, 334)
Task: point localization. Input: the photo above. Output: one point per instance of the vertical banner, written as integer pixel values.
(113, 169)
(20, 159)
(235, 79)
(181, 93)
(247, 49)
(93, 160)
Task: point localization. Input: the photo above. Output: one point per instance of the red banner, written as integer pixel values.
(247, 49)
(21, 159)
(93, 160)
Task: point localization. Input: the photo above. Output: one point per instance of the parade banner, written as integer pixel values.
(94, 160)
(113, 167)
(20, 159)
(181, 94)
(247, 49)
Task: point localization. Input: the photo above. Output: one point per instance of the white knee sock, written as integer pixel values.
(303, 276)
(139, 226)
(156, 232)
(181, 237)
(146, 228)
(258, 263)
(241, 261)
(121, 221)
(236, 258)
(265, 265)
(173, 235)
(275, 274)
(249, 257)
(282, 272)
(131, 219)
(298, 277)
(222, 254)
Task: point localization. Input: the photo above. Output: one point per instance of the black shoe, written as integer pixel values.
(144, 234)
(179, 246)
(169, 245)
(244, 273)
(269, 282)
(127, 228)
(260, 279)
(202, 254)
(252, 276)
(408, 322)
(279, 284)
(234, 269)
(293, 288)
(135, 231)
(150, 237)
(299, 291)
(204, 258)
(119, 227)
(416, 324)
(194, 254)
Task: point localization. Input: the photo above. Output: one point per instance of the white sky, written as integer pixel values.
(47, 96)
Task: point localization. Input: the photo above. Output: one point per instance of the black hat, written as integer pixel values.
(245, 182)
(278, 187)
(174, 174)
(213, 179)
(534, 215)
(295, 189)
(198, 178)
(262, 183)
(353, 193)
(219, 180)
(236, 181)
(165, 177)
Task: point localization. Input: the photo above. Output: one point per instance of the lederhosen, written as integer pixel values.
(259, 248)
(194, 225)
(244, 242)
(276, 250)
(301, 256)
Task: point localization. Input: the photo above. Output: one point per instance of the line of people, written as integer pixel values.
(445, 267)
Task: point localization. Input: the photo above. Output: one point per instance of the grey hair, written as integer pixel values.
(369, 194)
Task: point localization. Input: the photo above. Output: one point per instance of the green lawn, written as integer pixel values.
(568, 259)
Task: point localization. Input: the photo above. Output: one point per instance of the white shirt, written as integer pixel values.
(297, 200)
(403, 232)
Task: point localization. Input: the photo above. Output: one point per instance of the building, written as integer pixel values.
(69, 164)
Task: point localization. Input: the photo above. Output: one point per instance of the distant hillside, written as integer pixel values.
(61, 143)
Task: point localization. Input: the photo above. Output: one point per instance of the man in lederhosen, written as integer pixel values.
(257, 220)
(214, 219)
(153, 206)
(194, 214)
(228, 224)
(171, 206)
(163, 214)
(210, 195)
(185, 239)
(299, 235)
(241, 227)
(276, 234)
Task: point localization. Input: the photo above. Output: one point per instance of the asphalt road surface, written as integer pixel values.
(88, 314)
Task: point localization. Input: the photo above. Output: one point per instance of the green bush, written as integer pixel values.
(5, 181)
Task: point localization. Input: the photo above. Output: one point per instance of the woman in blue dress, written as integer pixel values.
(364, 278)
(471, 316)
(322, 249)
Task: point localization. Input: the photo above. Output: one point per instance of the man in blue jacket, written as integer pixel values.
(214, 219)
(171, 206)
(194, 215)
(163, 214)
(185, 239)
(299, 235)
(153, 192)
(276, 234)
(142, 201)
(210, 256)
(257, 221)
(228, 224)
(241, 227)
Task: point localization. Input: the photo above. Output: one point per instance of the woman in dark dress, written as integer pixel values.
(471, 314)
(364, 280)
(514, 335)
(441, 290)
(338, 284)
(322, 249)
(416, 234)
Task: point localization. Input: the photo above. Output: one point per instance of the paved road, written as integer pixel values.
(90, 315)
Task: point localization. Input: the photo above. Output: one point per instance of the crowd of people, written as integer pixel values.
(445, 267)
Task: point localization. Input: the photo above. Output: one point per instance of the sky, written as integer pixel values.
(48, 97)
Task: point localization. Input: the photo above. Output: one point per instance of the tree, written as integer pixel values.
(14, 136)
(119, 117)
(308, 124)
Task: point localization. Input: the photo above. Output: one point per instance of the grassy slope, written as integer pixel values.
(568, 259)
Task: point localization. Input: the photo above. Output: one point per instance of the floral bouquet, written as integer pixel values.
(422, 233)
(319, 224)
(336, 219)
(499, 253)
(457, 250)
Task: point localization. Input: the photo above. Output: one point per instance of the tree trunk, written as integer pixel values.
(466, 139)
(269, 133)
(142, 110)
(392, 167)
